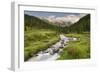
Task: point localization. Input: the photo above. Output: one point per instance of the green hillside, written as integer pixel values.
(34, 22)
(83, 25)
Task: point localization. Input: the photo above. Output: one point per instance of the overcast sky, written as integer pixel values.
(56, 16)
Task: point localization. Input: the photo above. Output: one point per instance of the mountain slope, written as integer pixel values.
(34, 22)
(83, 25)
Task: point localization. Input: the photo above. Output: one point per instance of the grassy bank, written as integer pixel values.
(79, 49)
(38, 40)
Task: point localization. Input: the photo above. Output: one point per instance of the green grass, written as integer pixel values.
(38, 40)
(79, 49)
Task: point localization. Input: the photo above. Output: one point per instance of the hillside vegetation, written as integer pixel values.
(83, 25)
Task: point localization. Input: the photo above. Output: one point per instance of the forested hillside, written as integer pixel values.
(34, 22)
(83, 25)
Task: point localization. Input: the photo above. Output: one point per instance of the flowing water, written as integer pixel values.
(53, 52)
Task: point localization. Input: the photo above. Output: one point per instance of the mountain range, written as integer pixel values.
(80, 25)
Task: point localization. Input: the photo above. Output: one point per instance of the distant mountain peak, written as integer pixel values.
(67, 20)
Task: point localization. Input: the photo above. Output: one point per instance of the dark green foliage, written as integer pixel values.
(83, 25)
(34, 22)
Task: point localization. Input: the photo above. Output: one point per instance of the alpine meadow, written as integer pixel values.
(56, 36)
